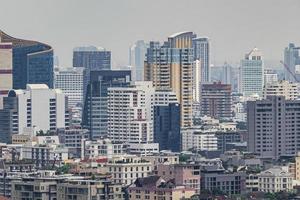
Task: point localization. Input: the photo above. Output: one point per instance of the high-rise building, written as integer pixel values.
(130, 113)
(201, 48)
(137, 57)
(281, 88)
(252, 73)
(292, 62)
(91, 59)
(32, 62)
(216, 100)
(37, 107)
(167, 121)
(70, 81)
(227, 77)
(95, 115)
(272, 127)
(6, 76)
(196, 81)
(170, 66)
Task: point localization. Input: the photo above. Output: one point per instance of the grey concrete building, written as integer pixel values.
(273, 127)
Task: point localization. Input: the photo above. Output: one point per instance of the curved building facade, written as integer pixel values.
(32, 62)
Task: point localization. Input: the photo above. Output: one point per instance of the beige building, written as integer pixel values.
(125, 170)
(5, 70)
(274, 180)
(281, 88)
(89, 189)
(170, 66)
(297, 167)
(154, 187)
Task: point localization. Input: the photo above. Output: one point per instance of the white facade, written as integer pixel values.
(252, 73)
(130, 113)
(270, 77)
(281, 88)
(126, 170)
(70, 81)
(198, 139)
(41, 108)
(164, 98)
(137, 56)
(196, 80)
(101, 148)
(143, 149)
(274, 180)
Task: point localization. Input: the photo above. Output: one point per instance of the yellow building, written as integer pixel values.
(170, 66)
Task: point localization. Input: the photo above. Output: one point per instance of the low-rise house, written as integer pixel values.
(155, 187)
(229, 183)
(126, 169)
(89, 189)
(275, 180)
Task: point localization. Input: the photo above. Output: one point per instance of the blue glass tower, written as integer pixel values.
(32, 62)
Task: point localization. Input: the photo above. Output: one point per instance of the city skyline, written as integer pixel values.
(229, 25)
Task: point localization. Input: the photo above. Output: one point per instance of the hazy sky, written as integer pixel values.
(234, 26)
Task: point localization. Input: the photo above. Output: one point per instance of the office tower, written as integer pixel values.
(272, 127)
(130, 113)
(196, 80)
(91, 59)
(70, 81)
(281, 88)
(216, 100)
(167, 121)
(32, 62)
(227, 77)
(6, 75)
(252, 73)
(95, 105)
(201, 48)
(270, 77)
(292, 62)
(223, 73)
(170, 66)
(37, 107)
(137, 57)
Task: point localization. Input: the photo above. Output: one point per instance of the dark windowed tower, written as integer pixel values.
(95, 104)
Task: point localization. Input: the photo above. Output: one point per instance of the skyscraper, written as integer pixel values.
(196, 81)
(137, 57)
(292, 61)
(91, 59)
(170, 66)
(32, 62)
(95, 115)
(227, 77)
(201, 48)
(130, 113)
(70, 81)
(252, 73)
(6, 75)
